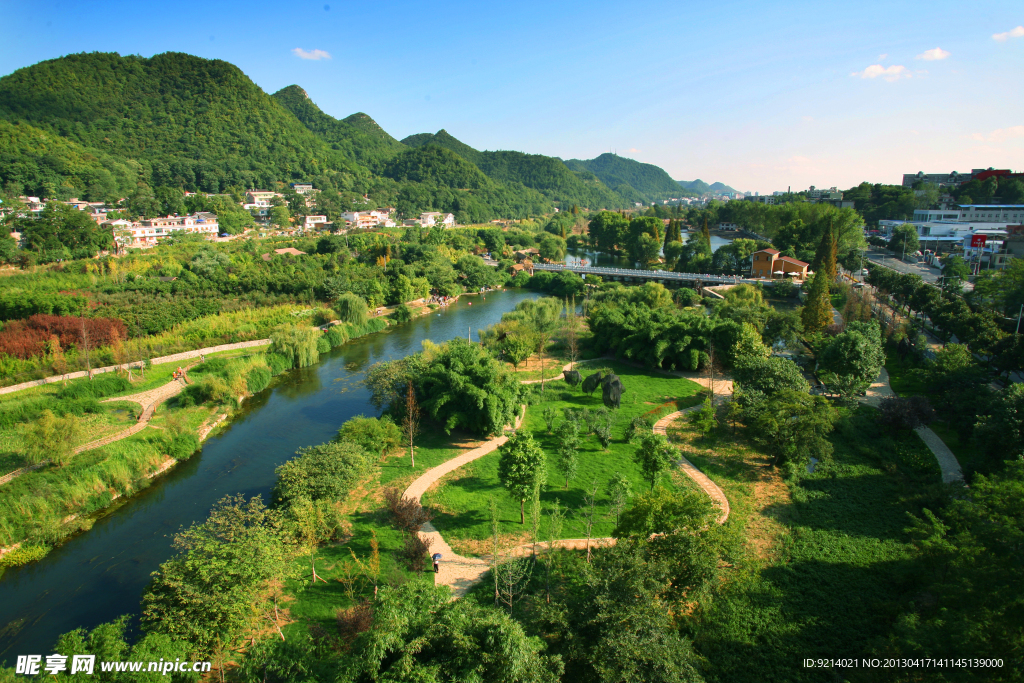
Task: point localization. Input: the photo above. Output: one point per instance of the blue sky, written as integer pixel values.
(758, 95)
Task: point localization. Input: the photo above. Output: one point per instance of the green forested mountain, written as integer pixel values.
(187, 121)
(443, 139)
(628, 177)
(101, 126)
(548, 175)
(357, 136)
(700, 187)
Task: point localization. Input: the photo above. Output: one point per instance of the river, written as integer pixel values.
(101, 573)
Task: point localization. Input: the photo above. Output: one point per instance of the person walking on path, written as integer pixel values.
(436, 557)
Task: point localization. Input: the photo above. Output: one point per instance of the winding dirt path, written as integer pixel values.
(149, 400)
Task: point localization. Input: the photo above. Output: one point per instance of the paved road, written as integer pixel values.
(927, 273)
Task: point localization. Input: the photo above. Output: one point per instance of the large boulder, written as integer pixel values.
(572, 377)
(591, 383)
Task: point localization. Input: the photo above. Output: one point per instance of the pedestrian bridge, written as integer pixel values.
(663, 276)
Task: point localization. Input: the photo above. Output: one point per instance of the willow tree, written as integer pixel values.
(297, 343)
(351, 309)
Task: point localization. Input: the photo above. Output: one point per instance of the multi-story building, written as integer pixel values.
(151, 230)
(953, 178)
(370, 219)
(302, 188)
(943, 229)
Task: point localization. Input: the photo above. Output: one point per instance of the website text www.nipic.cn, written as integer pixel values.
(33, 665)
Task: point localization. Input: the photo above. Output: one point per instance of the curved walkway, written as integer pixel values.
(461, 573)
(149, 400)
(948, 464)
(689, 469)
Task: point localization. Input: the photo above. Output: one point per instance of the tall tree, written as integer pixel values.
(521, 468)
(411, 421)
(654, 455)
(568, 435)
(817, 312)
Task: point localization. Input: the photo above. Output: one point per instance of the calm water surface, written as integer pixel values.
(101, 574)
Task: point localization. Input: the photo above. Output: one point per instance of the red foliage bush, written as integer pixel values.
(27, 338)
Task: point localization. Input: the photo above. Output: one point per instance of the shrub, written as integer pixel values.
(415, 552)
(277, 363)
(407, 515)
(376, 436)
(322, 345)
(911, 412)
(354, 620)
(257, 380)
(213, 366)
(106, 384)
(402, 314)
(183, 446)
(336, 335)
(212, 389)
(323, 472)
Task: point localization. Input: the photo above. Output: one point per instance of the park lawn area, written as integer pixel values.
(818, 565)
(461, 502)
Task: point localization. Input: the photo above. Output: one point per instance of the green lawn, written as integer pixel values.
(902, 378)
(825, 562)
(461, 503)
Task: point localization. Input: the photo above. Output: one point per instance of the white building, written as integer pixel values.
(149, 231)
(370, 219)
(303, 188)
(430, 218)
(315, 222)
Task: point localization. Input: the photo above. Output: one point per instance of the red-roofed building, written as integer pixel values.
(768, 263)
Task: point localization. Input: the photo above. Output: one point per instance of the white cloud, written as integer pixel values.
(883, 56)
(312, 54)
(1000, 134)
(633, 149)
(890, 73)
(933, 55)
(808, 119)
(1014, 33)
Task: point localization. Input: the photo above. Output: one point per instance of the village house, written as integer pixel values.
(370, 219)
(429, 218)
(315, 222)
(769, 263)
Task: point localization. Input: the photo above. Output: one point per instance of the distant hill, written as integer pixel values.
(629, 177)
(700, 187)
(547, 175)
(357, 136)
(101, 126)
